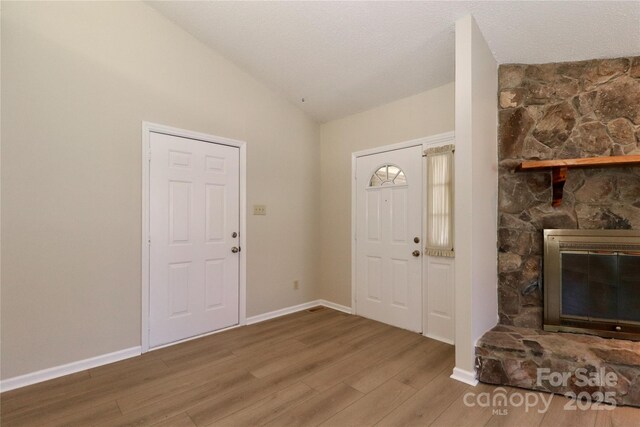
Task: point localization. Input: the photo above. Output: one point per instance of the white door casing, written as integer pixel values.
(194, 209)
(388, 219)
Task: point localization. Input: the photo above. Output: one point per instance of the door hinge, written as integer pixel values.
(149, 155)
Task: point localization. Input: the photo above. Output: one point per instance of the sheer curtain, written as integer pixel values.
(439, 201)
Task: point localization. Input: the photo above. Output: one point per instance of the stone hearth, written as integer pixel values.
(510, 355)
(555, 111)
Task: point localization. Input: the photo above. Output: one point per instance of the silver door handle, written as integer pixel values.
(235, 250)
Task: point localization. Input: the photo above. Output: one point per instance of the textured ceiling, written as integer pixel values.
(345, 57)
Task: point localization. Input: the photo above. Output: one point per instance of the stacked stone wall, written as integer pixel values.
(556, 111)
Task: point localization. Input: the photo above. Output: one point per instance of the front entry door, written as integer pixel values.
(388, 229)
(194, 225)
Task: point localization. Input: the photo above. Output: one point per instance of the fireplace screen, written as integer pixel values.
(592, 282)
(600, 285)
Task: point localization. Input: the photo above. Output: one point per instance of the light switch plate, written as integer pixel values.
(259, 209)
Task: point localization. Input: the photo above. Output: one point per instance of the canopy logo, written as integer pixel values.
(501, 400)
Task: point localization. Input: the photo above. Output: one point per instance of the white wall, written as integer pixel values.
(427, 113)
(77, 81)
(476, 175)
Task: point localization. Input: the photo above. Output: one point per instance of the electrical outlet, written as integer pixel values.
(259, 209)
(296, 284)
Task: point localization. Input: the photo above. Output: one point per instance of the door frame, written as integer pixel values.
(439, 139)
(147, 129)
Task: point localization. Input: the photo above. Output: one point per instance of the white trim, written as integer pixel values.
(147, 128)
(295, 308)
(354, 231)
(335, 306)
(390, 147)
(440, 138)
(68, 368)
(281, 312)
(463, 376)
(427, 140)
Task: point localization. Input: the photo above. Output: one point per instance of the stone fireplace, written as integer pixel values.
(560, 111)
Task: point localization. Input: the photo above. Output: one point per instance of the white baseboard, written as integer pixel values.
(69, 368)
(335, 306)
(295, 308)
(93, 362)
(464, 376)
(281, 312)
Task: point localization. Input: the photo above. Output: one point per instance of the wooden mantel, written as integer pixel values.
(560, 167)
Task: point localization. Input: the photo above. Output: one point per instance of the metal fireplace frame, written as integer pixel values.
(613, 241)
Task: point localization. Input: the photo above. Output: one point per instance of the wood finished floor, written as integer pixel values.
(309, 368)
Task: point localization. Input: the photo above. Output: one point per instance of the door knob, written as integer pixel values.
(235, 250)
(416, 253)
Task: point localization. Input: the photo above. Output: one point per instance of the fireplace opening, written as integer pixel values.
(592, 282)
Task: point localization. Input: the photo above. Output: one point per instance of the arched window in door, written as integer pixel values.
(388, 175)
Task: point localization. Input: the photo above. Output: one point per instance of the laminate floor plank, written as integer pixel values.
(304, 364)
(292, 332)
(354, 337)
(180, 420)
(382, 347)
(269, 408)
(196, 374)
(82, 416)
(223, 405)
(319, 408)
(622, 416)
(213, 383)
(45, 387)
(85, 385)
(369, 378)
(229, 337)
(82, 396)
(520, 415)
(374, 406)
(292, 329)
(462, 414)
(172, 405)
(558, 415)
(435, 361)
(424, 407)
(308, 368)
(316, 337)
(293, 370)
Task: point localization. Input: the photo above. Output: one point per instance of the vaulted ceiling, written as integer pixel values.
(345, 57)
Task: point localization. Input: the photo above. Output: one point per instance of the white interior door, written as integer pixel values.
(194, 230)
(388, 231)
